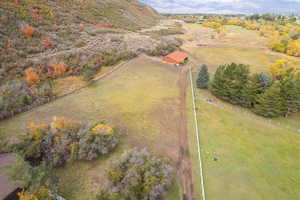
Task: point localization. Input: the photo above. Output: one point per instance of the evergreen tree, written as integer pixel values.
(270, 103)
(203, 78)
(290, 92)
(266, 80)
(252, 89)
(229, 82)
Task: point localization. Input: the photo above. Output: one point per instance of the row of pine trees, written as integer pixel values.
(265, 95)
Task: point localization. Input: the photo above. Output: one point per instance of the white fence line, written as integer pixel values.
(198, 141)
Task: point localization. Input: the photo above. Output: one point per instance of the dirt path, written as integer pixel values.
(184, 161)
(6, 185)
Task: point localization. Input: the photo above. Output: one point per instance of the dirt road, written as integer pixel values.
(184, 161)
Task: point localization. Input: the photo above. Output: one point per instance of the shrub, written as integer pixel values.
(48, 43)
(32, 178)
(17, 96)
(65, 139)
(57, 69)
(203, 78)
(31, 76)
(137, 175)
(28, 31)
(293, 48)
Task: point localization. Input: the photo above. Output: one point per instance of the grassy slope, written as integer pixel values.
(141, 99)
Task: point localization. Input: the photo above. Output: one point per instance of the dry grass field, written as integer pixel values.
(141, 99)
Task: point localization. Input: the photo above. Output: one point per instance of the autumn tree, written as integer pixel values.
(57, 69)
(28, 31)
(282, 68)
(32, 77)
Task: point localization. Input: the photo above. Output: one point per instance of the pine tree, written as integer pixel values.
(266, 80)
(290, 92)
(270, 103)
(203, 78)
(229, 82)
(251, 90)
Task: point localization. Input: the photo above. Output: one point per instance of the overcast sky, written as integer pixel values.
(225, 6)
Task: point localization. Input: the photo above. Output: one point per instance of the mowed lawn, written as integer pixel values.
(141, 100)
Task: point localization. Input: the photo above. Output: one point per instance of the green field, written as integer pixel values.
(256, 159)
(141, 99)
(244, 156)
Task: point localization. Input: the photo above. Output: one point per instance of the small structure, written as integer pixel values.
(177, 57)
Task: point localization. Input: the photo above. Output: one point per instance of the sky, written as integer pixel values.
(225, 6)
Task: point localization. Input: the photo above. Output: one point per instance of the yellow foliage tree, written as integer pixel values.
(37, 130)
(283, 67)
(103, 128)
(252, 26)
(41, 194)
(63, 123)
(293, 48)
(234, 22)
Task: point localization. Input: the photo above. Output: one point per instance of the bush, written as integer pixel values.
(165, 47)
(137, 175)
(32, 178)
(293, 48)
(17, 96)
(28, 31)
(66, 140)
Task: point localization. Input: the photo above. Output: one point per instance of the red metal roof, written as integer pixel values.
(177, 56)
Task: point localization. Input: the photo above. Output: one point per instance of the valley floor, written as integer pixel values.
(244, 156)
(150, 103)
(141, 99)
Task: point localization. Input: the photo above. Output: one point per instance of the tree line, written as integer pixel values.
(271, 94)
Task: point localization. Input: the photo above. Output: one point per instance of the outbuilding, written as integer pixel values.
(176, 57)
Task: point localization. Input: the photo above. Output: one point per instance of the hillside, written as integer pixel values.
(31, 27)
(43, 40)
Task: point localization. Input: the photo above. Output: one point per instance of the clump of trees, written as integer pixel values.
(203, 78)
(18, 96)
(165, 47)
(272, 95)
(66, 140)
(137, 175)
(38, 182)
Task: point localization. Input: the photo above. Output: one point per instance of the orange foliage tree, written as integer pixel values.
(32, 77)
(101, 60)
(48, 43)
(28, 31)
(57, 69)
(36, 17)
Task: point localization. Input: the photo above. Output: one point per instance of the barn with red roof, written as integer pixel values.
(176, 57)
